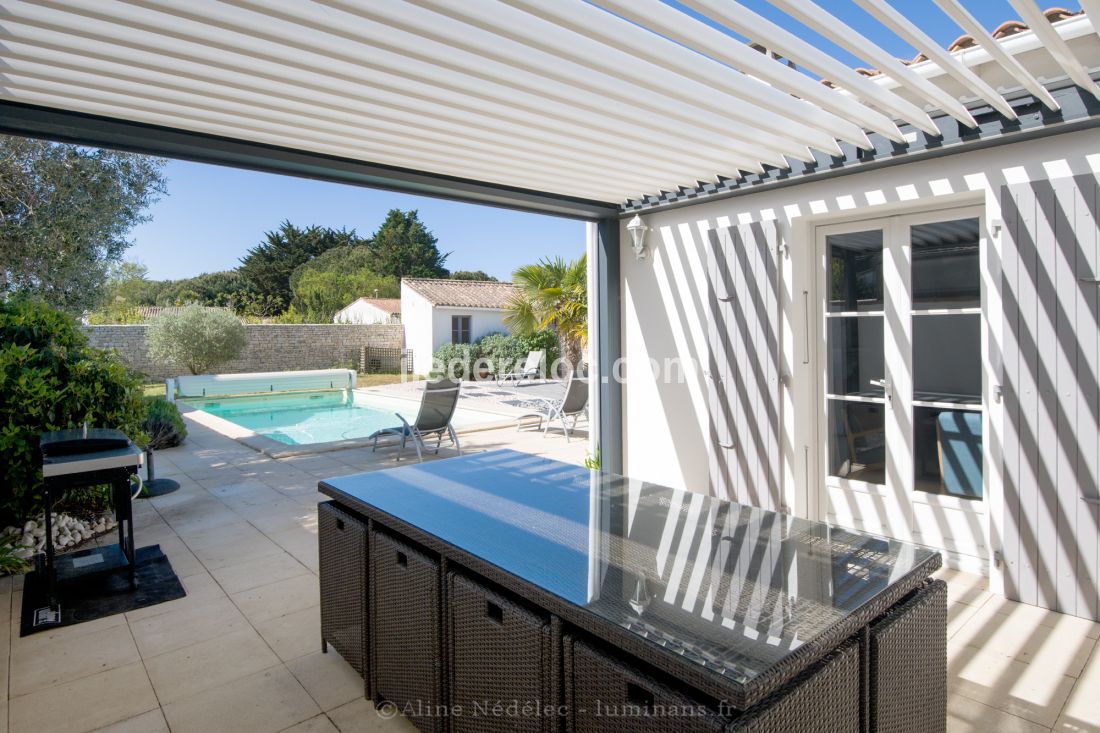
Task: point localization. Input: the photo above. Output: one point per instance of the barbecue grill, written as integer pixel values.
(78, 458)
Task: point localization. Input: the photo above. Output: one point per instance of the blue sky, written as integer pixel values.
(212, 215)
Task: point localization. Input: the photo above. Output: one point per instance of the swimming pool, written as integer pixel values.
(304, 418)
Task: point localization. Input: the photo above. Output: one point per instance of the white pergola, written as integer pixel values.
(607, 100)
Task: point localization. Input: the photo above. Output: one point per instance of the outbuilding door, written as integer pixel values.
(1050, 284)
(743, 364)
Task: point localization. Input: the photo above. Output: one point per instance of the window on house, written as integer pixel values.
(460, 329)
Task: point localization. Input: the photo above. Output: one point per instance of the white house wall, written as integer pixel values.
(416, 316)
(483, 321)
(664, 299)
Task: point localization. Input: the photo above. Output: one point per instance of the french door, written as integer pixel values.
(902, 367)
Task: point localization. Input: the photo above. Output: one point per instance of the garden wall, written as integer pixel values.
(270, 347)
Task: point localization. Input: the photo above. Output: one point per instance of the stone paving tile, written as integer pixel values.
(260, 571)
(167, 632)
(187, 671)
(319, 724)
(280, 598)
(970, 716)
(329, 680)
(84, 704)
(150, 722)
(361, 716)
(66, 659)
(1063, 648)
(242, 650)
(265, 702)
(1082, 709)
(293, 635)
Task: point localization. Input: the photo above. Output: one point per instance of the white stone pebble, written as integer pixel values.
(68, 532)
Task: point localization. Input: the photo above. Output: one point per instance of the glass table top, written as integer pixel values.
(731, 587)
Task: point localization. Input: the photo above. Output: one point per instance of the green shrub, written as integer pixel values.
(51, 380)
(163, 424)
(196, 338)
(502, 351)
(453, 360)
(545, 340)
(11, 563)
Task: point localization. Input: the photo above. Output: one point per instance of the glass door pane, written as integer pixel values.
(946, 265)
(856, 396)
(947, 358)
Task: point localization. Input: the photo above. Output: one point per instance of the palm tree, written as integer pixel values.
(552, 294)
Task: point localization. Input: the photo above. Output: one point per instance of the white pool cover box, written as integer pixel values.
(220, 385)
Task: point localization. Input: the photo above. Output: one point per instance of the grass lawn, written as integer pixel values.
(375, 380)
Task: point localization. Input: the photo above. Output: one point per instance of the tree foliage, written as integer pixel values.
(196, 338)
(267, 268)
(404, 247)
(218, 288)
(552, 294)
(479, 275)
(65, 213)
(51, 380)
(336, 278)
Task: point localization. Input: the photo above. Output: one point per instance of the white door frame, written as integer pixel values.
(897, 275)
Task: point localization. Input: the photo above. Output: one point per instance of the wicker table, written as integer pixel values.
(506, 592)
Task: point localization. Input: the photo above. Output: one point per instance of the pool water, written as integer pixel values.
(303, 418)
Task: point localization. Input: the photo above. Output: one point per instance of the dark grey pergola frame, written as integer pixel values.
(1079, 111)
(106, 132)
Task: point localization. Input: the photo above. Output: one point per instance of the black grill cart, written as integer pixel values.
(78, 458)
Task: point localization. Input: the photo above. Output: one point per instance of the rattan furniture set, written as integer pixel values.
(506, 592)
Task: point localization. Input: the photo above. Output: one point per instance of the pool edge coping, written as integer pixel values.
(275, 449)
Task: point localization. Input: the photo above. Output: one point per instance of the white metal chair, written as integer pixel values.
(573, 403)
(530, 369)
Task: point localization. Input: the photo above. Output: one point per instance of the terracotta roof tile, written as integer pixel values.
(386, 305)
(462, 293)
(149, 312)
(1004, 30)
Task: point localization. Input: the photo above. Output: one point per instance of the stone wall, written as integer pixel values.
(270, 347)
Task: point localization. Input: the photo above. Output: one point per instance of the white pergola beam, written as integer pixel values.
(448, 161)
(481, 55)
(610, 100)
(918, 39)
(226, 86)
(1058, 48)
(362, 133)
(1092, 10)
(756, 27)
(985, 39)
(655, 55)
(694, 34)
(161, 34)
(852, 41)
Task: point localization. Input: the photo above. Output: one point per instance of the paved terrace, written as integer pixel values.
(242, 651)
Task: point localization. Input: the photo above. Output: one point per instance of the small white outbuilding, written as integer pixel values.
(370, 310)
(438, 312)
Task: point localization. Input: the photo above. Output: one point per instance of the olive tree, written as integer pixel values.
(66, 212)
(195, 338)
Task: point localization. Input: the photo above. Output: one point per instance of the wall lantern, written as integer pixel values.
(637, 229)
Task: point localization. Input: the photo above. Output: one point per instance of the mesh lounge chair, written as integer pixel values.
(530, 369)
(573, 403)
(437, 407)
